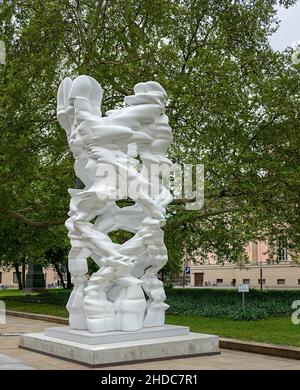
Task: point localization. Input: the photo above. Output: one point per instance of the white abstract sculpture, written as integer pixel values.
(107, 152)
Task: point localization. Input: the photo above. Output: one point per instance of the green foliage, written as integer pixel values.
(233, 106)
(174, 242)
(120, 236)
(228, 303)
(51, 297)
(92, 266)
(199, 302)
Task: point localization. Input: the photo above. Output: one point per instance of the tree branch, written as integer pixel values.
(40, 224)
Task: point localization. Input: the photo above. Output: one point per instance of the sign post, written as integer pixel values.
(243, 288)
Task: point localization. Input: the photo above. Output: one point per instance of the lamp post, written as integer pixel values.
(183, 276)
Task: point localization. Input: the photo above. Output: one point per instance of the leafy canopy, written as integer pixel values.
(233, 106)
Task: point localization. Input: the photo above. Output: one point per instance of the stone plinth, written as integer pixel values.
(86, 337)
(35, 278)
(163, 342)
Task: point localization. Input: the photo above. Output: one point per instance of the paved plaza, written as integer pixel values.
(13, 358)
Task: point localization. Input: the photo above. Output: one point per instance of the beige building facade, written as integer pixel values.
(277, 270)
(8, 278)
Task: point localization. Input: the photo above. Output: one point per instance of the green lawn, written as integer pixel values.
(271, 330)
(15, 292)
(39, 308)
(12, 292)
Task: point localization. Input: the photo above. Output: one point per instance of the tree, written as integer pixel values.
(57, 257)
(19, 245)
(233, 106)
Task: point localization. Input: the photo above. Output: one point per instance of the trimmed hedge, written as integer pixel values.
(51, 297)
(216, 303)
(227, 303)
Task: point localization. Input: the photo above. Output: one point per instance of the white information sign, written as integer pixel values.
(243, 288)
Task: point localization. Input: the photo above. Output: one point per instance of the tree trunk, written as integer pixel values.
(23, 274)
(59, 273)
(18, 273)
(69, 279)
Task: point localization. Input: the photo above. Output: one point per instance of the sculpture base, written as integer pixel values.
(100, 349)
(85, 337)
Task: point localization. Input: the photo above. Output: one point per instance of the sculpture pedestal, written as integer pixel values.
(100, 349)
(35, 278)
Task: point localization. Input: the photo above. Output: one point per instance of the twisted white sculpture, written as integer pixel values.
(113, 298)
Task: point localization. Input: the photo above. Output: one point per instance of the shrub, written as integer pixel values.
(215, 303)
(55, 297)
(259, 304)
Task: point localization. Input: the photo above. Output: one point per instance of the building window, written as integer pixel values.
(15, 279)
(281, 281)
(246, 281)
(1, 277)
(282, 253)
(298, 281)
(219, 281)
(263, 281)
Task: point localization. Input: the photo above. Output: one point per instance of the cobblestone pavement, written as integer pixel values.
(13, 358)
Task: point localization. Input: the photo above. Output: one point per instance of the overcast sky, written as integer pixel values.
(289, 30)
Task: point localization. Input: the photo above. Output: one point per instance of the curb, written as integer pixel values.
(41, 317)
(282, 351)
(233, 344)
